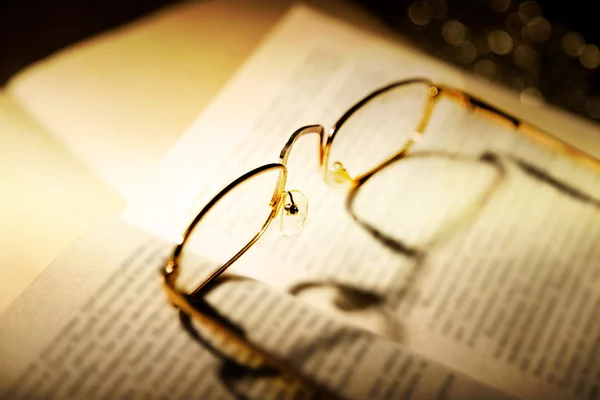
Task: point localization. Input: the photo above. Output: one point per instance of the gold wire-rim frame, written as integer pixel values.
(326, 139)
(432, 93)
(466, 100)
(170, 271)
(179, 299)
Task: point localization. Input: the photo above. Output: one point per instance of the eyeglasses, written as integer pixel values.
(380, 129)
(376, 131)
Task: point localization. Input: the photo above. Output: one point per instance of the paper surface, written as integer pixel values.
(49, 198)
(97, 325)
(509, 295)
(120, 100)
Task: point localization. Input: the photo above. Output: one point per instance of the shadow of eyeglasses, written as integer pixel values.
(352, 298)
(232, 370)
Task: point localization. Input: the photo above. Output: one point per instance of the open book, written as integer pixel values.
(504, 305)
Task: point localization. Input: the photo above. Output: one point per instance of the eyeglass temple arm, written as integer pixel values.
(481, 107)
(219, 328)
(498, 116)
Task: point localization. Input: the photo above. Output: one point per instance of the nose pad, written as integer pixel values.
(293, 213)
(338, 176)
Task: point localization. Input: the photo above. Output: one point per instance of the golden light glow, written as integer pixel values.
(500, 42)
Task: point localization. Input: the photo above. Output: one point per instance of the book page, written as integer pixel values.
(97, 325)
(49, 198)
(478, 250)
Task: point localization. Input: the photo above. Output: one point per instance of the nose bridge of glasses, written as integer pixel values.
(305, 130)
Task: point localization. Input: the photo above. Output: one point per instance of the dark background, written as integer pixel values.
(555, 76)
(576, 15)
(33, 29)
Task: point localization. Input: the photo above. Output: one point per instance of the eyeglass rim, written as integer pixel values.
(432, 92)
(170, 270)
